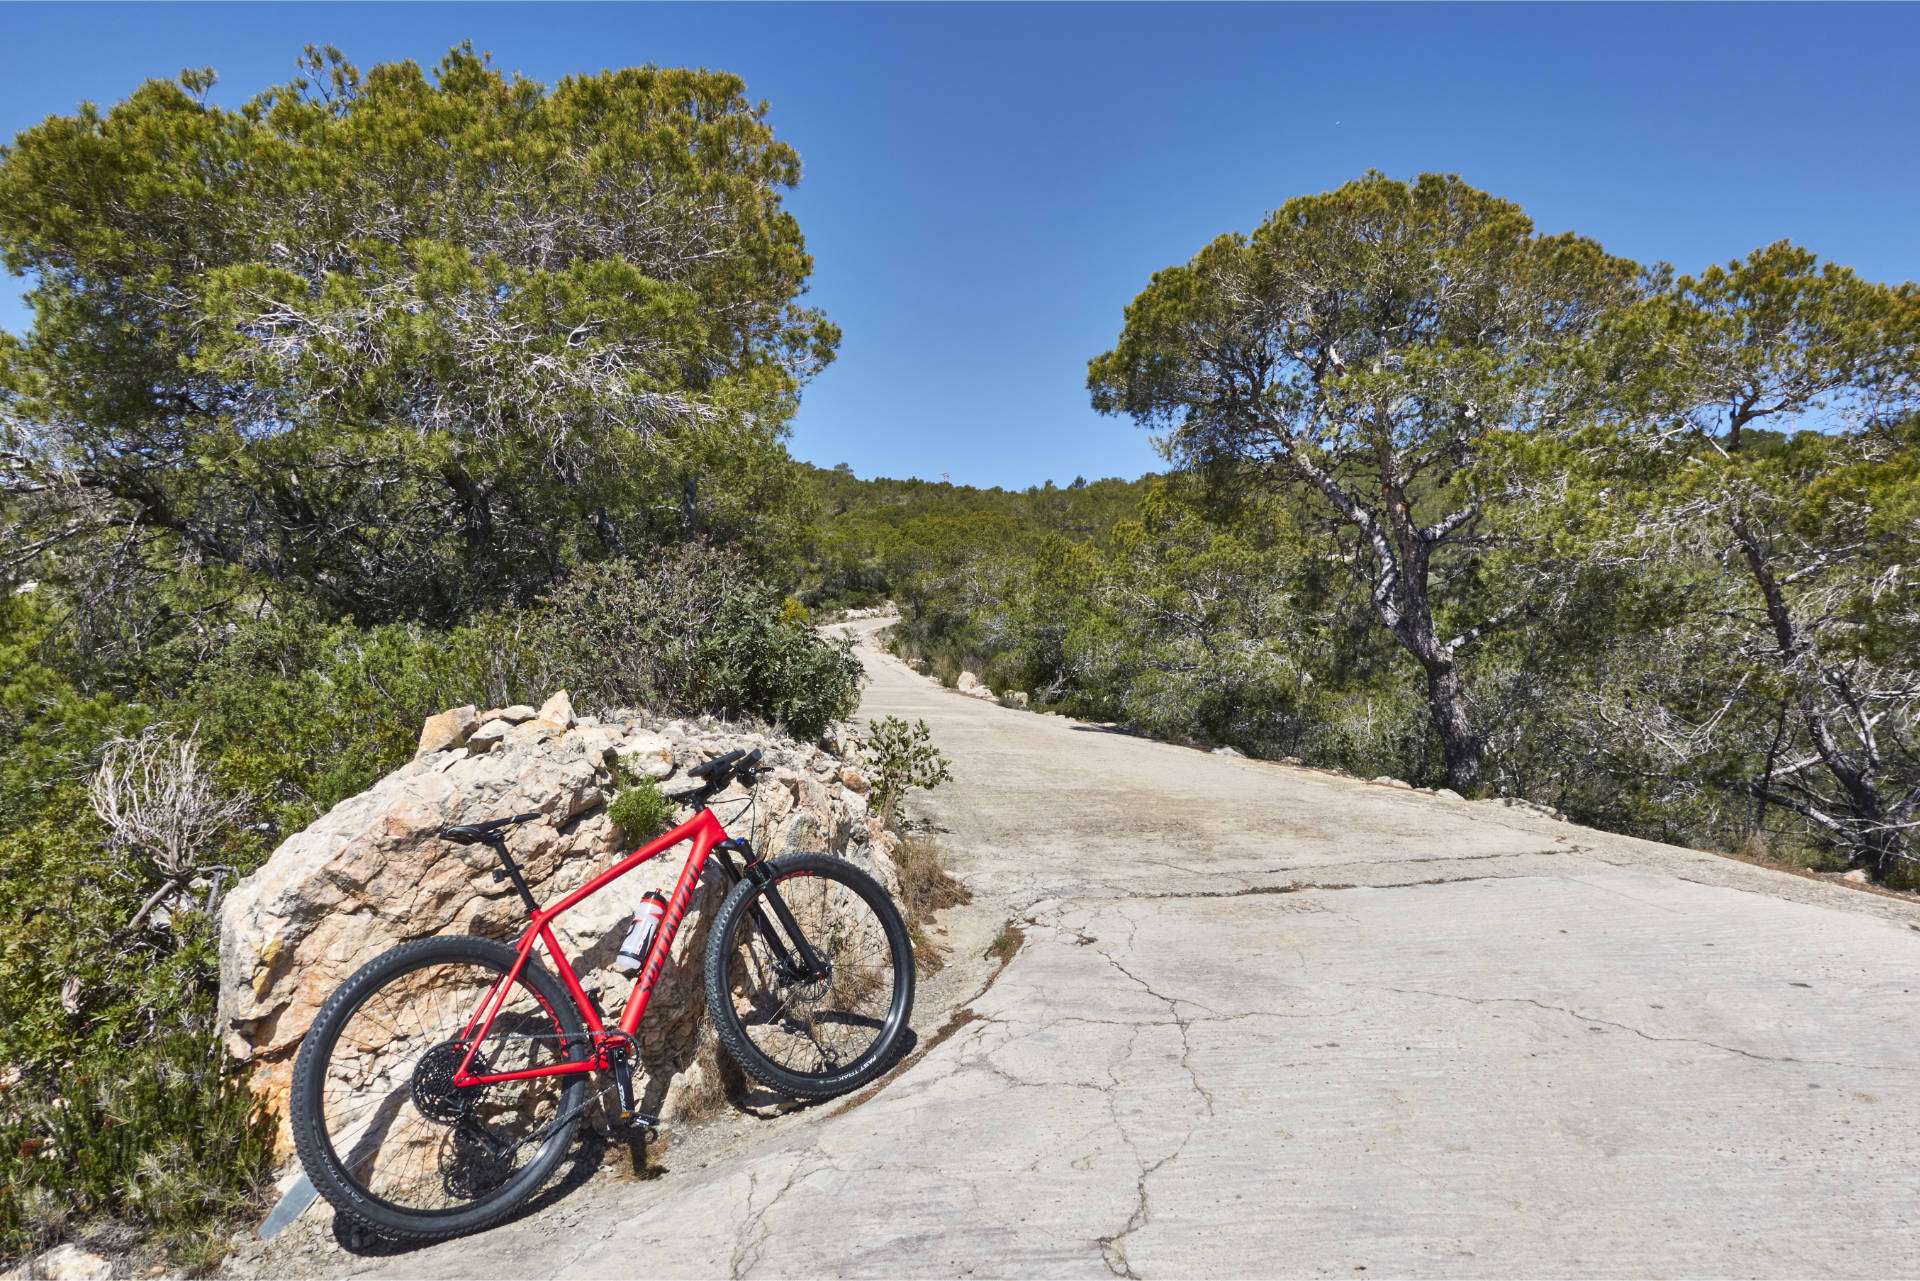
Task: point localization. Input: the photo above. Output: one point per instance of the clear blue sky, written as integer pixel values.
(987, 186)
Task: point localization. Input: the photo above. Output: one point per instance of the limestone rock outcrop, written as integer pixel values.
(62, 1263)
(447, 730)
(973, 687)
(373, 873)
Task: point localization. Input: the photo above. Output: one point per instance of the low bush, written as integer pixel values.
(303, 712)
(166, 1140)
(696, 630)
(640, 811)
(902, 756)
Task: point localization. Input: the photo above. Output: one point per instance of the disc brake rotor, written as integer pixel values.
(806, 991)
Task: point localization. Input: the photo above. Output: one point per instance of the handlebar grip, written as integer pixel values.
(715, 765)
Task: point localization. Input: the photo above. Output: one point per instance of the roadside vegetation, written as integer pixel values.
(1472, 506)
(903, 758)
(316, 435)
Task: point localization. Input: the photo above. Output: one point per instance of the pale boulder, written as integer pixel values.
(447, 730)
(373, 873)
(647, 754)
(558, 709)
(538, 730)
(62, 1263)
(489, 734)
(595, 742)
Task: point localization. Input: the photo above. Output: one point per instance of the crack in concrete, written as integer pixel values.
(1113, 1250)
(1173, 1008)
(1297, 887)
(1591, 1019)
(1443, 858)
(742, 1262)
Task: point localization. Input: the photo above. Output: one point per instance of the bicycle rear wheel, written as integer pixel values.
(811, 1035)
(380, 1127)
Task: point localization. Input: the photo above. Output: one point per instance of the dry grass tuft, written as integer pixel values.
(708, 1096)
(926, 889)
(1006, 943)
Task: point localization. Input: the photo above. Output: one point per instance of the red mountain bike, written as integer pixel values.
(440, 1086)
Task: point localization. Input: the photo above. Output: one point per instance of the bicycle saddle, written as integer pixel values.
(469, 833)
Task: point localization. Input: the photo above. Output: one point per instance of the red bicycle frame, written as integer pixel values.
(704, 830)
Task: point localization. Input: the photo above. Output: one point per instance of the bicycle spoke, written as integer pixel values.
(815, 1025)
(474, 1138)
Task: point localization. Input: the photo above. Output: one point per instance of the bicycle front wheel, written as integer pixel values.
(382, 1130)
(815, 1030)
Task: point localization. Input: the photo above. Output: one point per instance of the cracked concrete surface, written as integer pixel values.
(1272, 1021)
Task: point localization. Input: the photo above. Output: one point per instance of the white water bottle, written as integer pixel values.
(646, 923)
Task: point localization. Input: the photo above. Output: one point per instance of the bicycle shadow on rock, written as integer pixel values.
(593, 1147)
(588, 1154)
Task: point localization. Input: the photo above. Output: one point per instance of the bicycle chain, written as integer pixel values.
(579, 1109)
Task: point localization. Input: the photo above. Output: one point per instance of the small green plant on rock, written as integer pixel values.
(902, 756)
(640, 811)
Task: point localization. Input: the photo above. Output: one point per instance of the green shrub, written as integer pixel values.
(640, 811)
(902, 756)
(167, 1140)
(124, 1110)
(304, 713)
(695, 630)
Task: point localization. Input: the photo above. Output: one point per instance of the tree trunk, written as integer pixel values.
(1465, 753)
(689, 509)
(1874, 840)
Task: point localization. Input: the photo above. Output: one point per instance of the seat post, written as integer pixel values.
(499, 843)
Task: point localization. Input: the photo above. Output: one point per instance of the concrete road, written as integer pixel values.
(1271, 1021)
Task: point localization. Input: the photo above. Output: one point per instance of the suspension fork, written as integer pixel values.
(807, 963)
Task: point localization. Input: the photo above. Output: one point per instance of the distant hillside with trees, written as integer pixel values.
(872, 539)
(1466, 504)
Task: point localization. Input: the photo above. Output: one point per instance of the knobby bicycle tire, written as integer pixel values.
(862, 1008)
(542, 1005)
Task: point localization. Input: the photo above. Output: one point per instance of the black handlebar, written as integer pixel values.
(718, 771)
(721, 768)
(716, 764)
